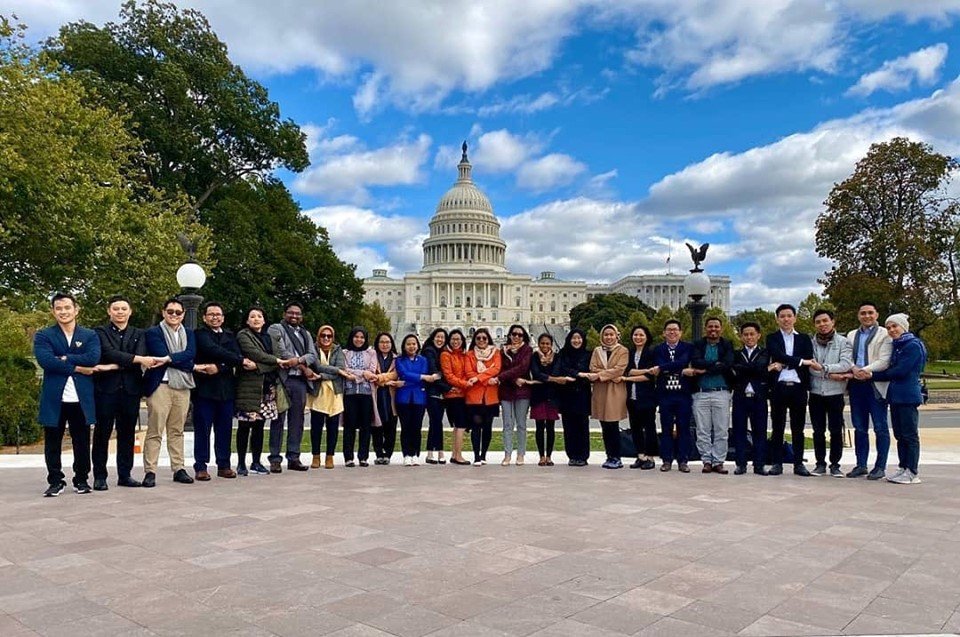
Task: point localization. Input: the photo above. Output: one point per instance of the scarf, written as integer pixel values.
(385, 362)
(177, 342)
(483, 355)
(545, 359)
(824, 339)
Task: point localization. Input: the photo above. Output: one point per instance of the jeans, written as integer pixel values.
(712, 412)
(827, 411)
(867, 405)
(319, 421)
(754, 410)
(514, 416)
(71, 415)
(675, 409)
(217, 415)
(905, 420)
(124, 411)
(296, 388)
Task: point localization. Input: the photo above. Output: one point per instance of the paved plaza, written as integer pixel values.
(488, 550)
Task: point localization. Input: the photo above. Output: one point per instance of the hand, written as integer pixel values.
(689, 371)
(562, 380)
(864, 374)
(249, 365)
(472, 381)
(86, 371)
(570, 379)
(815, 366)
(654, 370)
(396, 383)
(585, 375)
(775, 367)
(493, 381)
(618, 380)
(521, 382)
(311, 375)
(369, 376)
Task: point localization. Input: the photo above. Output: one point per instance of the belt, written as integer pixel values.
(164, 382)
(702, 391)
(788, 383)
(749, 394)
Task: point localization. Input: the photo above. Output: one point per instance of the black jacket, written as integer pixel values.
(545, 391)
(723, 366)
(802, 349)
(646, 392)
(119, 349)
(751, 370)
(222, 349)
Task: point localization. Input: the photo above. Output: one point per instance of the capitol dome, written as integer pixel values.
(464, 232)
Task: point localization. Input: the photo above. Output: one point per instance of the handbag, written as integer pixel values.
(283, 400)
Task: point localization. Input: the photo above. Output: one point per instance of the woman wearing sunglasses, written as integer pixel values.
(483, 397)
(514, 392)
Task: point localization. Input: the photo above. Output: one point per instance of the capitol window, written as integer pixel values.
(443, 301)
(499, 332)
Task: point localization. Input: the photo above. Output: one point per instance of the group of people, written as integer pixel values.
(279, 373)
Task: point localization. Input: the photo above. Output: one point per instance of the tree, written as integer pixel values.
(374, 319)
(890, 225)
(19, 383)
(607, 308)
(765, 318)
(203, 122)
(811, 304)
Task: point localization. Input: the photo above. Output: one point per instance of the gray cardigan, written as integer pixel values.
(329, 372)
(836, 358)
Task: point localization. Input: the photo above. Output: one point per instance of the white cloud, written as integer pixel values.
(549, 171)
(525, 104)
(922, 67)
(502, 151)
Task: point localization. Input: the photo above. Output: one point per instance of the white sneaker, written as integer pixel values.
(902, 478)
(898, 474)
(407, 461)
(414, 461)
(914, 478)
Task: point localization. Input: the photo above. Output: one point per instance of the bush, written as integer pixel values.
(19, 380)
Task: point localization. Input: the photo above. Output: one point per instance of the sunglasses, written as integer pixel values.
(517, 334)
(173, 312)
(326, 336)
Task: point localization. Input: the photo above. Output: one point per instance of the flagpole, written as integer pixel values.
(669, 254)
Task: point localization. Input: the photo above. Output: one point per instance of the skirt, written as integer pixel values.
(544, 411)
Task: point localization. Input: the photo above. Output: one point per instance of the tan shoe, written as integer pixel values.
(520, 460)
(328, 464)
(315, 464)
(506, 461)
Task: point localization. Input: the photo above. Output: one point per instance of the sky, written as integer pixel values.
(606, 134)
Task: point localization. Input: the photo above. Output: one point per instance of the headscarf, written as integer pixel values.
(350, 347)
(333, 340)
(578, 357)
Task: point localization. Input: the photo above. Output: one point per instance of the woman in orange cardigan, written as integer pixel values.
(483, 397)
(453, 363)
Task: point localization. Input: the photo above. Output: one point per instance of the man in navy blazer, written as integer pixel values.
(67, 353)
(791, 359)
(674, 395)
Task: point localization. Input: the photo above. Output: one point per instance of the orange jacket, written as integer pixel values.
(481, 393)
(453, 365)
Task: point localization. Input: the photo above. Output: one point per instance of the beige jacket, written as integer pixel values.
(609, 399)
(878, 353)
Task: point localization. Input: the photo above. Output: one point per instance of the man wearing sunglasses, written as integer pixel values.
(167, 388)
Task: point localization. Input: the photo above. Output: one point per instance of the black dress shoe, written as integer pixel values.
(760, 471)
(666, 466)
(296, 465)
(802, 471)
(740, 470)
(683, 467)
(128, 482)
(100, 484)
(275, 467)
(182, 477)
(776, 470)
(648, 464)
(149, 480)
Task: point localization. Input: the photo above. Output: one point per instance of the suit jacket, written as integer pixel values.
(646, 392)
(221, 349)
(751, 370)
(157, 346)
(681, 360)
(722, 366)
(284, 348)
(802, 349)
(879, 350)
(83, 350)
(128, 380)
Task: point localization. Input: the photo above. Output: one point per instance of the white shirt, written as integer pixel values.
(69, 389)
(749, 350)
(788, 375)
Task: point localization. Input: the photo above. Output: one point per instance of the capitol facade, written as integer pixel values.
(464, 281)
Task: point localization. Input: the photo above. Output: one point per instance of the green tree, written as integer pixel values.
(806, 309)
(19, 382)
(593, 338)
(891, 224)
(607, 308)
(203, 122)
(374, 319)
(765, 318)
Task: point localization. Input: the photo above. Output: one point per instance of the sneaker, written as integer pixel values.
(242, 471)
(82, 488)
(349, 463)
(857, 472)
(636, 464)
(506, 461)
(902, 478)
(914, 478)
(896, 475)
(483, 461)
(55, 489)
(477, 462)
(407, 461)
(612, 463)
(259, 469)
(820, 469)
(415, 461)
(876, 474)
(836, 473)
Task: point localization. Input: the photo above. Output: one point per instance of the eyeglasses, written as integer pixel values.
(517, 334)
(173, 312)
(214, 315)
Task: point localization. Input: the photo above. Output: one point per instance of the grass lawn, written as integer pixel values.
(934, 384)
(941, 367)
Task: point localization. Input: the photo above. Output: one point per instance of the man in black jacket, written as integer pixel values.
(218, 355)
(791, 359)
(750, 399)
(118, 386)
(712, 359)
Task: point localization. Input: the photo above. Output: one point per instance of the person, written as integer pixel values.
(543, 396)
(118, 386)
(293, 341)
(608, 402)
(750, 399)
(328, 402)
(672, 358)
(218, 356)
(67, 353)
(791, 359)
(359, 405)
(868, 398)
(435, 344)
(413, 371)
(384, 432)
(515, 358)
(259, 396)
(642, 398)
(827, 385)
(482, 395)
(907, 361)
(573, 365)
(712, 359)
(167, 387)
(453, 360)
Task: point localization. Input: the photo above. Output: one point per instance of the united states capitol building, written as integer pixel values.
(464, 281)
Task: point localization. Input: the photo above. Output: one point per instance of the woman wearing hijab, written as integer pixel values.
(384, 432)
(483, 399)
(642, 397)
(543, 396)
(327, 405)
(413, 372)
(608, 403)
(453, 360)
(903, 394)
(435, 390)
(359, 404)
(258, 397)
(514, 392)
(574, 366)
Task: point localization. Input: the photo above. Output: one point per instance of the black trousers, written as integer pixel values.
(318, 421)
(385, 436)
(576, 435)
(611, 438)
(783, 399)
(71, 415)
(827, 411)
(123, 411)
(357, 416)
(752, 409)
(481, 428)
(435, 427)
(252, 432)
(546, 436)
(411, 425)
(643, 428)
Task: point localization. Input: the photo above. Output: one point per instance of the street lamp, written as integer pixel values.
(190, 278)
(697, 286)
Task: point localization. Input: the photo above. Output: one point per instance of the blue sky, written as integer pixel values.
(603, 132)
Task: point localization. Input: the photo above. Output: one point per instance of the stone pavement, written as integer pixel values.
(483, 551)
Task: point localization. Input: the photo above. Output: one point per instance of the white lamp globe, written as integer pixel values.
(191, 276)
(696, 284)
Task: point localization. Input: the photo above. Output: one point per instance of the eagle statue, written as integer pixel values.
(698, 255)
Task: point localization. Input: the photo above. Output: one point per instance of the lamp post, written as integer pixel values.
(697, 286)
(190, 278)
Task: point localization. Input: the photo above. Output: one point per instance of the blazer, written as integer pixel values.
(879, 350)
(512, 367)
(437, 388)
(722, 366)
(906, 364)
(128, 380)
(802, 349)
(410, 371)
(751, 369)
(221, 349)
(646, 392)
(157, 346)
(284, 349)
(453, 366)
(481, 393)
(83, 350)
(681, 360)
